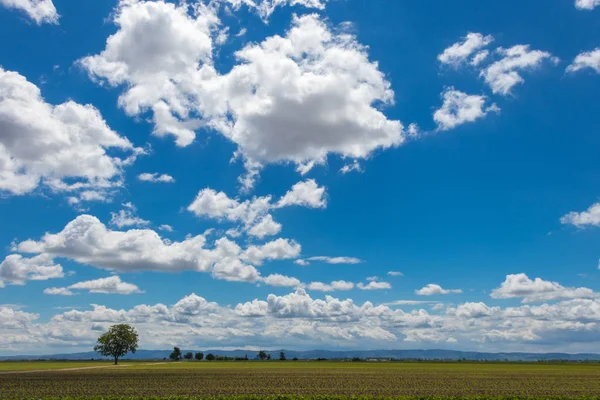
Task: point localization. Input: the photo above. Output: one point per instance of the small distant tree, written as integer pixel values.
(210, 357)
(282, 356)
(246, 357)
(268, 356)
(188, 356)
(295, 359)
(262, 355)
(199, 356)
(117, 342)
(176, 354)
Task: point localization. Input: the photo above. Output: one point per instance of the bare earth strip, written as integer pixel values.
(31, 371)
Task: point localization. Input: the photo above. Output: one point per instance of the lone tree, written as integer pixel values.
(282, 356)
(199, 356)
(210, 357)
(176, 354)
(118, 341)
(188, 356)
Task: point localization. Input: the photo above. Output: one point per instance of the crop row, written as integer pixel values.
(305, 383)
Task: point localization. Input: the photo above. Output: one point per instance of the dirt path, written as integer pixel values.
(31, 371)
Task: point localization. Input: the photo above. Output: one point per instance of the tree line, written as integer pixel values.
(177, 355)
(123, 338)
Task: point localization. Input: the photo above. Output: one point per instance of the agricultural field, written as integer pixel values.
(7, 366)
(307, 379)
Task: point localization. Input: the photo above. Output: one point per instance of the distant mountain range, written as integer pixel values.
(329, 354)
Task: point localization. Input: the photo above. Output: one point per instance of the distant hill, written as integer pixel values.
(331, 354)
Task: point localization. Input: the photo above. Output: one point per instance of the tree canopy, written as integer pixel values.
(117, 342)
(176, 354)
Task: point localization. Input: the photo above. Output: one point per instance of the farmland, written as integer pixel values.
(332, 379)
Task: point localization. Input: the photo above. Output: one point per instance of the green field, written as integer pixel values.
(43, 365)
(310, 379)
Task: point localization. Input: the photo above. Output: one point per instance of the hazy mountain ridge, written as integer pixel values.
(333, 354)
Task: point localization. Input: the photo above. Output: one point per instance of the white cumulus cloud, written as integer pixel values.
(156, 178)
(589, 217)
(110, 285)
(127, 217)
(41, 11)
(586, 4)
(505, 73)
(433, 289)
(460, 108)
(538, 290)
(17, 270)
(458, 53)
(294, 98)
(88, 241)
(64, 147)
(253, 214)
(374, 285)
(587, 59)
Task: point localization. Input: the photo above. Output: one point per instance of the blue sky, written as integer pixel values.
(300, 174)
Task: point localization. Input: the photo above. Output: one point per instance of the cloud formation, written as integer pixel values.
(458, 53)
(590, 217)
(586, 4)
(538, 290)
(298, 320)
(254, 214)
(41, 11)
(88, 241)
(110, 285)
(156, 178)
(17, 270)
(432, 289)
(62, 147)
(294, 98)
(460, 108)
(587, 59)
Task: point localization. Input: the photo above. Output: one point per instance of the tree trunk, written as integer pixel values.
(116, 360)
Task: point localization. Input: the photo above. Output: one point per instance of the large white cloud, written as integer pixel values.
(17, 270)
(88, 241)
(156, 50)
(587, 59)
(64, 147)
(40, 11)
(460, 108)
(538, 290)
(301, 321)
(294, 98)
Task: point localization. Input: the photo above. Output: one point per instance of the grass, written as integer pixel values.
(309, 380)
(43, 365)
